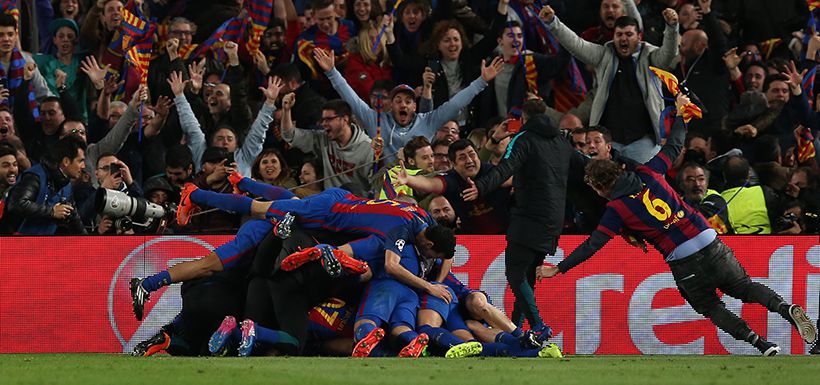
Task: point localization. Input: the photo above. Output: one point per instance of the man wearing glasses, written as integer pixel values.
(178, 51)
(340, 144)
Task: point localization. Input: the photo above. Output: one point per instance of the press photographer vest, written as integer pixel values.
(747, 211)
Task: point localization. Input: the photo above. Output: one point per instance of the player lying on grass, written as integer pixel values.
(333, 210)
(642, 203)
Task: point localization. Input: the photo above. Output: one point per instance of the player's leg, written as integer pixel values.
(375, 308)
(227, 256)
(192, 197)
(263, 190)
(403, 321)
(697, 287)
(733, 280)
(432, 314)
(518, 259)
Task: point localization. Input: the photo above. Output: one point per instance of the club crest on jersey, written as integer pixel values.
(400, 244)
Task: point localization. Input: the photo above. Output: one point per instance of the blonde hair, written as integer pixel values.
(365, 43)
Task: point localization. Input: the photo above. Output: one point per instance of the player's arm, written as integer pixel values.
(670, 151)
(392, 264)
(434, 184)
(514, 158)
(586, 250)
(446, 266)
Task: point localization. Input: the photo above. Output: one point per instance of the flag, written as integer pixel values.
(260, 14)
(9, 7)
(808, 83)
(230, 30)
(717, 224)
(811, 28)
(813, 4)
(690, 110)
(304, 51)
(139, 56)
(768, 46)
(805, 145)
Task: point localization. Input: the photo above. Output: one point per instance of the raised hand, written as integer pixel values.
(547, 14)
(387, 24)
(28, 70)
(670, 16)
(232, 50)
(731, 59)
(401, 178)
(326, 61)
(172, 47)
(680, 101)
(795, 78)
(196, 71)
(429, 77)
(271, 92)
(163, 107)
(176, 83)
(261, 62)
(60, 77)
(112, 85)
(4, 94)
(488, 73)
(140, 96)
(95, 73)
(288, 101)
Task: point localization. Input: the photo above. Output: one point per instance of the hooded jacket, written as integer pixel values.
(337, 161)
(538, 158)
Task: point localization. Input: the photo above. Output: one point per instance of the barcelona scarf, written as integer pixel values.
(813, 4)
(805, 145)
(690, 111)
(9, 7)
(231, 30)
(14, 74)
(260, 14)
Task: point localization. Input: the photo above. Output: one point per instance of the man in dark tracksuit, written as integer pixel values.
(538, 158)
(643, 203)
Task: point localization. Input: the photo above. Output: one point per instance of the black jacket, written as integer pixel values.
(539, 159)
(22, 200)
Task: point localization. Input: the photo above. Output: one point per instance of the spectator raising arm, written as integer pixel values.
(187, 121)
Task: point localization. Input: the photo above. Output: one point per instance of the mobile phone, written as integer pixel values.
(114, 168)
(230, 159)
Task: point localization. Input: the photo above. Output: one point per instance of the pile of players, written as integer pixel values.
(332, 274)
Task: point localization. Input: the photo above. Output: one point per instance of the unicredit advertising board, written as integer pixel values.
(70, 294)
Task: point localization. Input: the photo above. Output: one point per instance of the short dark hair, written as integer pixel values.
(66, 120)
(7, 150)
(48, 99)
(603, 130)
(414, 145)
(7, 20)
(773, 78)
(276, 22)
(443, 238)
(338, 106)
(179, 156)
(736, 171)
(626, 21)
(510, 24)
(602, 173)
(287, 72)
(533, 107)
(386, 85)
(458, 145)
(767, 149)
(68, 147)
(692, 135)
(320, 4)
(688, 165)
(103, 155)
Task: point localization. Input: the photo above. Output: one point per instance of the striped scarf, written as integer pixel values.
(14, 74)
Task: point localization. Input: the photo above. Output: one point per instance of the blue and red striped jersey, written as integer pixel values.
(335, 42)
(656, 212)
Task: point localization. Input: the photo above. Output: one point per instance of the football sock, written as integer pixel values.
(269, 336)
(156, 281)
(507, 339)
(264, 190)
(517, 332)
(441, 337)
(407, 337)
(362, 330)
(236, 204)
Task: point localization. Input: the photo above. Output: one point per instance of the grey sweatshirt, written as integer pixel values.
(423, 124)
(336, 159)
(245, 155)
(111, 143)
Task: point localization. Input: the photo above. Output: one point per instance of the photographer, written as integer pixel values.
(217, 164)
(113, 174)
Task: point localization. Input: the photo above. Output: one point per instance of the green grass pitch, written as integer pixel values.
(90, 369)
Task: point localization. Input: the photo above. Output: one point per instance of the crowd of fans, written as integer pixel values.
(340, 92)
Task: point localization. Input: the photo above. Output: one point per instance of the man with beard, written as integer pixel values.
(8, 177)
(178, 52)
(403, 123)
(609, 11)
(623, 75)
(693, 181)
(703, 70)
(273, 44)
(442, 211)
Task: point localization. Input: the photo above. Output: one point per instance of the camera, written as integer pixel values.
(132, 213)
(786, 221)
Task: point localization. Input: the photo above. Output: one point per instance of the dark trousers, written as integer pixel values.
(520, 262)
(205, 302)
(715, 267)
